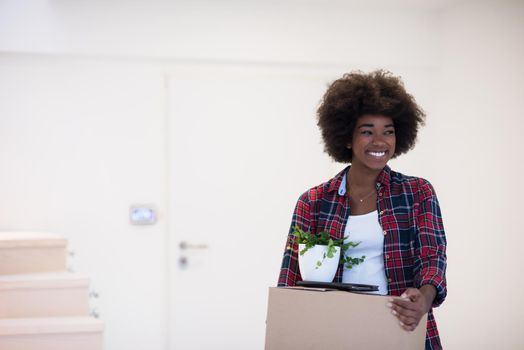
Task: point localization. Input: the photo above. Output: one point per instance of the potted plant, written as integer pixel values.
(319, 255)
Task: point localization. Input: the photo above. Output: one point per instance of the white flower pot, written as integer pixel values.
(307, 263)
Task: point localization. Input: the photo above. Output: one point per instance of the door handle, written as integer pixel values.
(184, 245)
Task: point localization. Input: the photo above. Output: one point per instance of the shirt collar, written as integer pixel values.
(334, 183)
(339, 181)
(384, 177)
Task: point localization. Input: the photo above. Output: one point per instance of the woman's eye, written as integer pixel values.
(366, 132)
(390, 132)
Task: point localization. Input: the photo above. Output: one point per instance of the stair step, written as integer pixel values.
(50, 325)
(59, 333)
(44, 295)
(29, 252)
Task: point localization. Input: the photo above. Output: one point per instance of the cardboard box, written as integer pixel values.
(300, 318)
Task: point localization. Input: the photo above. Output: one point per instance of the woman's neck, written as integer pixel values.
(360, 177)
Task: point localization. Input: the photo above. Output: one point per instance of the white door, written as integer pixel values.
(243, 146)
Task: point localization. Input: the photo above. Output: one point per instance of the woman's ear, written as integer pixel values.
(348, 146)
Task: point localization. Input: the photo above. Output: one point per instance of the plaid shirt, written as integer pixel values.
(414, 239)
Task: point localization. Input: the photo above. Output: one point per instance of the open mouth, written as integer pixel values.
(377, 154)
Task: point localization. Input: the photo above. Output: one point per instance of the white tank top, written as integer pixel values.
(367, 230)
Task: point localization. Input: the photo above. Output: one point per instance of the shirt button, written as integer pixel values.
(380, 194)
(390, 280)
(385, 233)
(387, 256)
(381, 212)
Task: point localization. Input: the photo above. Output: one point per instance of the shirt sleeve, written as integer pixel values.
(289, 272)
(430, 262)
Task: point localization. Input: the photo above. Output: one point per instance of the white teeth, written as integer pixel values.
(377, 154)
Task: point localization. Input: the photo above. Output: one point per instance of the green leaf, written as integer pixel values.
(324, 238)
(303, 251)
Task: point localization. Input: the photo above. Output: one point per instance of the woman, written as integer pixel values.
(367, 119)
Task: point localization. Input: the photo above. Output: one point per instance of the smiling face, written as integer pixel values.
(373, 142)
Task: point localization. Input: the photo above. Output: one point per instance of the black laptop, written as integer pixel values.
(349, 287)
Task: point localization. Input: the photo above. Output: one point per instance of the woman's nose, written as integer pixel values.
(378, 140)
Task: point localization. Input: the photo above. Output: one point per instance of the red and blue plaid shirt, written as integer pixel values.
(414, 239)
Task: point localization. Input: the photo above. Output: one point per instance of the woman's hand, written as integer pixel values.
(412, 305)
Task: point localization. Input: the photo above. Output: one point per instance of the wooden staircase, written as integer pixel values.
(42, 306)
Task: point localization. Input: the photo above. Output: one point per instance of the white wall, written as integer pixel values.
(80, 141)
(288, 31)
(480, 123)
(82, 136)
